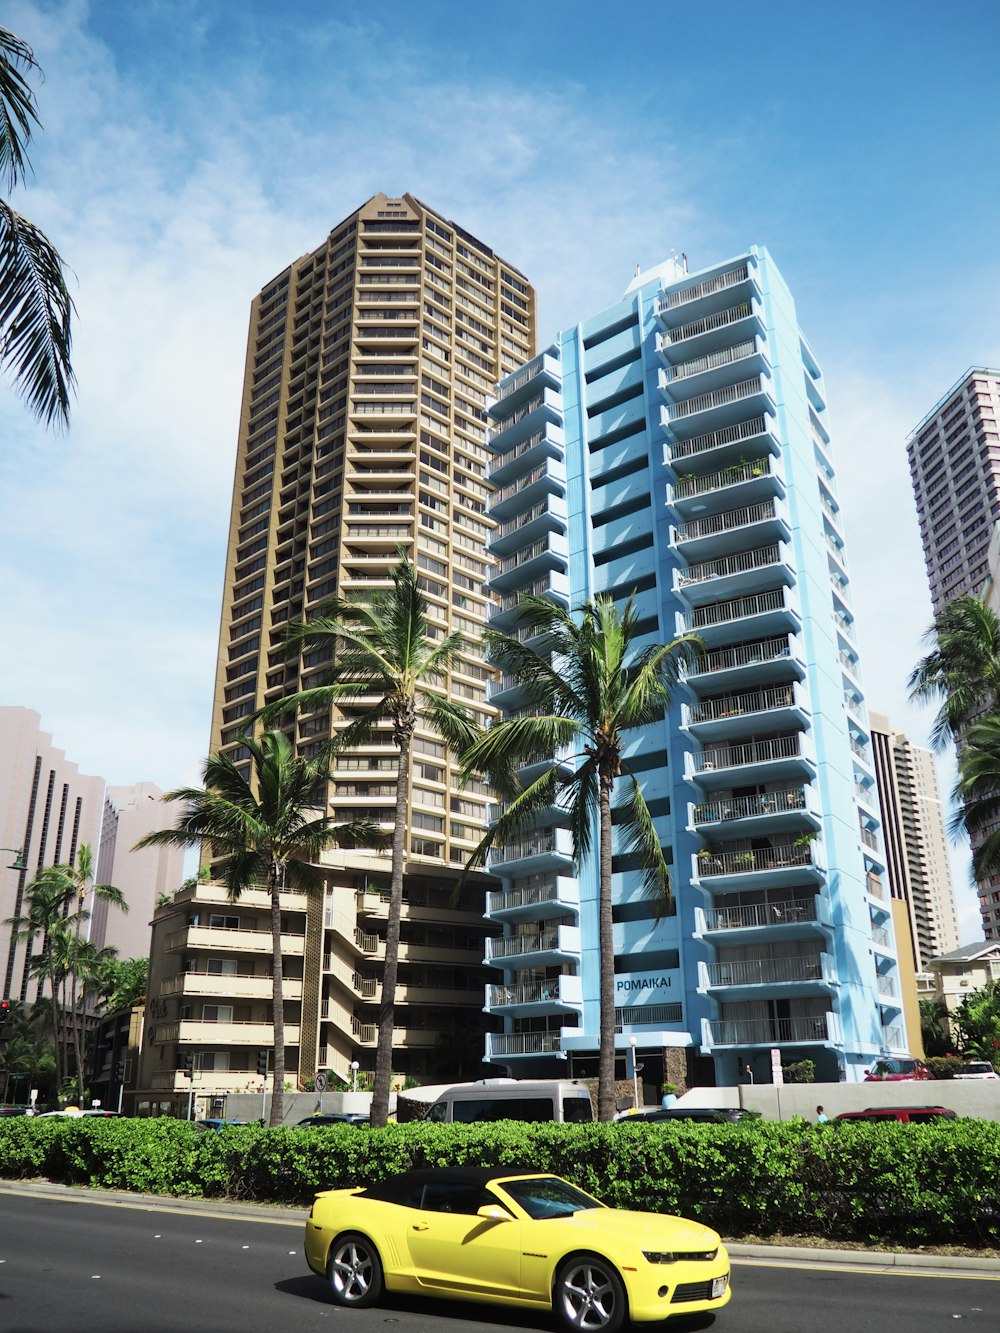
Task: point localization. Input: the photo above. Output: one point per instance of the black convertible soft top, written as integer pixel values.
(401, 1188)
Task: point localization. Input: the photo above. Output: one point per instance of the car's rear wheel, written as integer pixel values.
(589, 1296)
(354, 1271)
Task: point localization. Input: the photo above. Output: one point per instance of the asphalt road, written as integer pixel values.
(69, 1266)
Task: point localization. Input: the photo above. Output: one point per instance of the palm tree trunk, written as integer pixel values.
(55, 1028)
(77, 1042)
(277, 1002)
(387, 1004)
(606, 1059)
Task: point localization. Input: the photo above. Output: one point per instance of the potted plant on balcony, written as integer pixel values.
(708, 862)
(744, 861)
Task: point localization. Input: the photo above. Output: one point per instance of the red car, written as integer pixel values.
(897, 1069)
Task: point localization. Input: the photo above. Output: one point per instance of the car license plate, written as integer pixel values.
(719, 1285)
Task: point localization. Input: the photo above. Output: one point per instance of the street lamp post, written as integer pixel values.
(18, 863)
(635, 1075)
(354, 1075)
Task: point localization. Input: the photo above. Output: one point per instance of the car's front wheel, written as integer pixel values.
(354, 1271)
(589, 1296)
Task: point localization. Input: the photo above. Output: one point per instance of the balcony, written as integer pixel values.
(744, 573)
(726, 447)
(205, 1032)
(513, 390)
(529, 418)
(545, 478)
(732, 715)
(731, 405)
(546, 947)
(733, 530)
(232, 941)
(776, 758)
(805, 1031)
(546, 443)
(764, 915)
(551, 995)
(725, 356)
(728, 487)
(221, 986)
(550, 552)
(535, 898)
(783, 811)
(791, 973)
(500, 1045)
(714, 370)
(634, 1017)
(886, 987)
(548, 849)
(767, 613)
(712, 294)
(763, 660)
(525, 529)
(701, 336)
(775, 864)
(553, 585)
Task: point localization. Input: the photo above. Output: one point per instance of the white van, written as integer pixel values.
(559, 1101)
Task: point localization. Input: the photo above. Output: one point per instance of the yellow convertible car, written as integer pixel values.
(514, 1239)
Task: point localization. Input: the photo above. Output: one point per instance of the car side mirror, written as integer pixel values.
(492, 1212)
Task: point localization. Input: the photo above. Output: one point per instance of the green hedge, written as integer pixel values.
(887, 1183)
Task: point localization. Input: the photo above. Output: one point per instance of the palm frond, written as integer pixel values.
(517, 742)
(453, 723)
(36, 312)
(18, 114)
(641, 841)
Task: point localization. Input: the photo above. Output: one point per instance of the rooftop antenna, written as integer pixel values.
(637, 270)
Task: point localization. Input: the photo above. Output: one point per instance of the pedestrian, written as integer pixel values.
(821, 1116)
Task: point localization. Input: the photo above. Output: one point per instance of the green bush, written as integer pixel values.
(881, 1182)
(801, 1071)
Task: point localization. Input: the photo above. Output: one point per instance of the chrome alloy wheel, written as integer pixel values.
(590, 1297)
(354, 1271)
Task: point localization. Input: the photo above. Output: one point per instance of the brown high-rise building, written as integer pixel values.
(369, 365)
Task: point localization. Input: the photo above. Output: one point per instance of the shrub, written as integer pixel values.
(801, 1071)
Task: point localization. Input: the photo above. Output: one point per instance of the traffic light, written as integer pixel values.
(263, 1059)
(4, 1011)
(188, 1065)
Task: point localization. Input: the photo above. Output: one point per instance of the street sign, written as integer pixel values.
(320, 1083)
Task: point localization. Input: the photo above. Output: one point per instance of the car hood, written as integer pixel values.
(646, 1230)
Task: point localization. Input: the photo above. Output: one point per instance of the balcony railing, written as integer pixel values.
(873, 885)
(764, 971)
(520, 848)
(520, 378)
(532, 405)
(647, 1015)
(529, 992)
(527, 553)
(712, 360)
(537, 589)
(746, 654)
(738, 705)
(522, 1043)
(515, 945)
(748, 862)
(671, 300)
(759, 558)
(869, 839)
(748, 807)
(709, 324)
(716, 439)
(544, 892)
(732, 518)
(849, 664)
(739, 608)
(685, 487)
(760, 914)
(521, 520)
(752, 752)
(881, 936)
(768, 1031)
(885, 986)
(514, 487)
(509, 455)
(704, 402)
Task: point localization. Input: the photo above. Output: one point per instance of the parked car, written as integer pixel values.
(535, 1101)
(514, 1239)
(97, 1111)
(16, 1110)
(215, 1123)
(904, 1115)
(897, 1069)
(705, 1115)
(333, 1118)
(979, 1069)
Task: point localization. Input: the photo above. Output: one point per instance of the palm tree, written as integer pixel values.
(590, 684)
(383, 645)
(271, 832)
(933, 1027)
(977, 792)
(35, 304)
(47, 903)
(962, 671)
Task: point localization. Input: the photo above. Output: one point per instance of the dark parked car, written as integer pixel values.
(213, 1123)
(16, 1110)
(897, 1069)
(905, 1115)
(332, 1118)
(705, 1115)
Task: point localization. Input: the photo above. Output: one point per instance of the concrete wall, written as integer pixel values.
(979, 1098)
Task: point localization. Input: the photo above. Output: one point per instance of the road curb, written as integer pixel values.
(295, 1216)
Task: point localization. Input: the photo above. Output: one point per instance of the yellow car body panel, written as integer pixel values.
(514, 1262)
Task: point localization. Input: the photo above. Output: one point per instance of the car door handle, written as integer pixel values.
(421, 1226)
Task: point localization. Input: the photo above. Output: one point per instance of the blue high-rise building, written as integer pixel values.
(676, 448)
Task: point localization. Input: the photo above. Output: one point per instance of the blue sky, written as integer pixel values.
(191, 150)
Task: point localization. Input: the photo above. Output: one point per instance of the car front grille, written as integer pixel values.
(691, 1291)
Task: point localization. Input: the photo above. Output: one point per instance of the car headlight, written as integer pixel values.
(660, 1256)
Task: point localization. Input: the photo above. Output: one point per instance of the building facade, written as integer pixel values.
(144, 876)
(676, 447)
(362, 433)
(48, 809)
(954, 456)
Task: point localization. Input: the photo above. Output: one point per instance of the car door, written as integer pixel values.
(453, 1250)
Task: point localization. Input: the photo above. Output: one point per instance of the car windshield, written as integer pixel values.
(548, 1196)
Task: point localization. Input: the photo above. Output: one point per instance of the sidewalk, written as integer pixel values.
(281, 1215)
